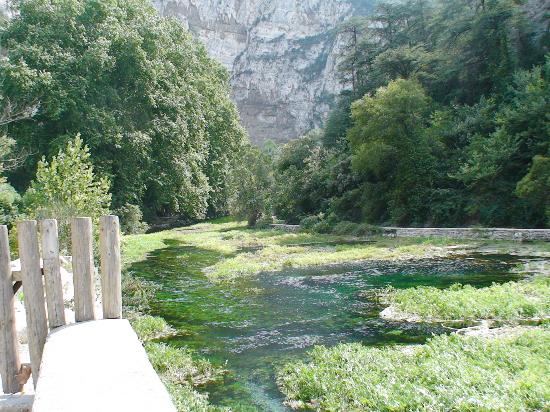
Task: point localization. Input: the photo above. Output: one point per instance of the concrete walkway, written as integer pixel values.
(98, 366)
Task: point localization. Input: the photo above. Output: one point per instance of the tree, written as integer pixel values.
(252, 182)
(67, 187)
(496, 160)
(391, 152)
(535, 185)
(147, 100)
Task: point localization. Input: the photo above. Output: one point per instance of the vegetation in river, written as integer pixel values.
(179, 369)
(277, 257)
(248, 251)
(448, 373)
(180, 372)
(179, 366)
(529, 298)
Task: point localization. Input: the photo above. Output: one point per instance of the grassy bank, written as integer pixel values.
(179, 369)
(487, 374)
(529, 298)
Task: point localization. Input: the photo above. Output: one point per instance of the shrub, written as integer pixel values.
(344, 228)
(309, 222)
(264, 223)
(67, 187)
(131, 220)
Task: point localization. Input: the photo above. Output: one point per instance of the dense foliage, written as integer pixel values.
(486, 374)
(446, 122)
(251, 182)
(150, 104)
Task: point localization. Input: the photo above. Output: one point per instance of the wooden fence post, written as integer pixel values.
(9, 351)
(35, 305)
(83, 268)
(109, 240)
(52, 273)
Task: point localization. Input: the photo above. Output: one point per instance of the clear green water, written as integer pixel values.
(255, 325)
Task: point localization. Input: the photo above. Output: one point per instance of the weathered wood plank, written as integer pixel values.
(9, 351)
(83, 268)
(52, 273)
(33, 288)
(110, 267)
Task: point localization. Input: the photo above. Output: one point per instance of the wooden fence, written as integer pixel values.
(42, 287)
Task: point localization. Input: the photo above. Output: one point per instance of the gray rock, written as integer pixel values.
(282, 54)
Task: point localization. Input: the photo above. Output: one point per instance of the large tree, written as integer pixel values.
(392, 152)
(150, 104)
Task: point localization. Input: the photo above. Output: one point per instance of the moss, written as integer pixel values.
(448, 373)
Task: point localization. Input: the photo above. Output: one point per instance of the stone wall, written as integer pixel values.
(454, 233)
(470, 233)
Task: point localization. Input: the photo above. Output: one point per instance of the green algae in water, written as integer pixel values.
(255, 325)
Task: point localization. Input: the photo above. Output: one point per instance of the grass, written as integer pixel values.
(181, 372)
(507, 374)
(150, 327)
(179, 366)
(529, 298)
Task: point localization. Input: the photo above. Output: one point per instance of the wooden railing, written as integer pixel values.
(42, 286)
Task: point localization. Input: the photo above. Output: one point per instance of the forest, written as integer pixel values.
(446, 123)
(108, 106)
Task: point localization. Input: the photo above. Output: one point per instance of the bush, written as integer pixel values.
(67, 187)
(131, 220)
(264, 223)
(309, 222)
(344, 228)
(9, 200)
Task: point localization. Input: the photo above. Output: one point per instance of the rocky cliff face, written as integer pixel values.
(282, 56)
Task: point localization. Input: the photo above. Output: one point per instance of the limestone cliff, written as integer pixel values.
(282, 56)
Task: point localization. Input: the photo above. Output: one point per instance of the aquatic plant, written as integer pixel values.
(453, 372)
(528, 298)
